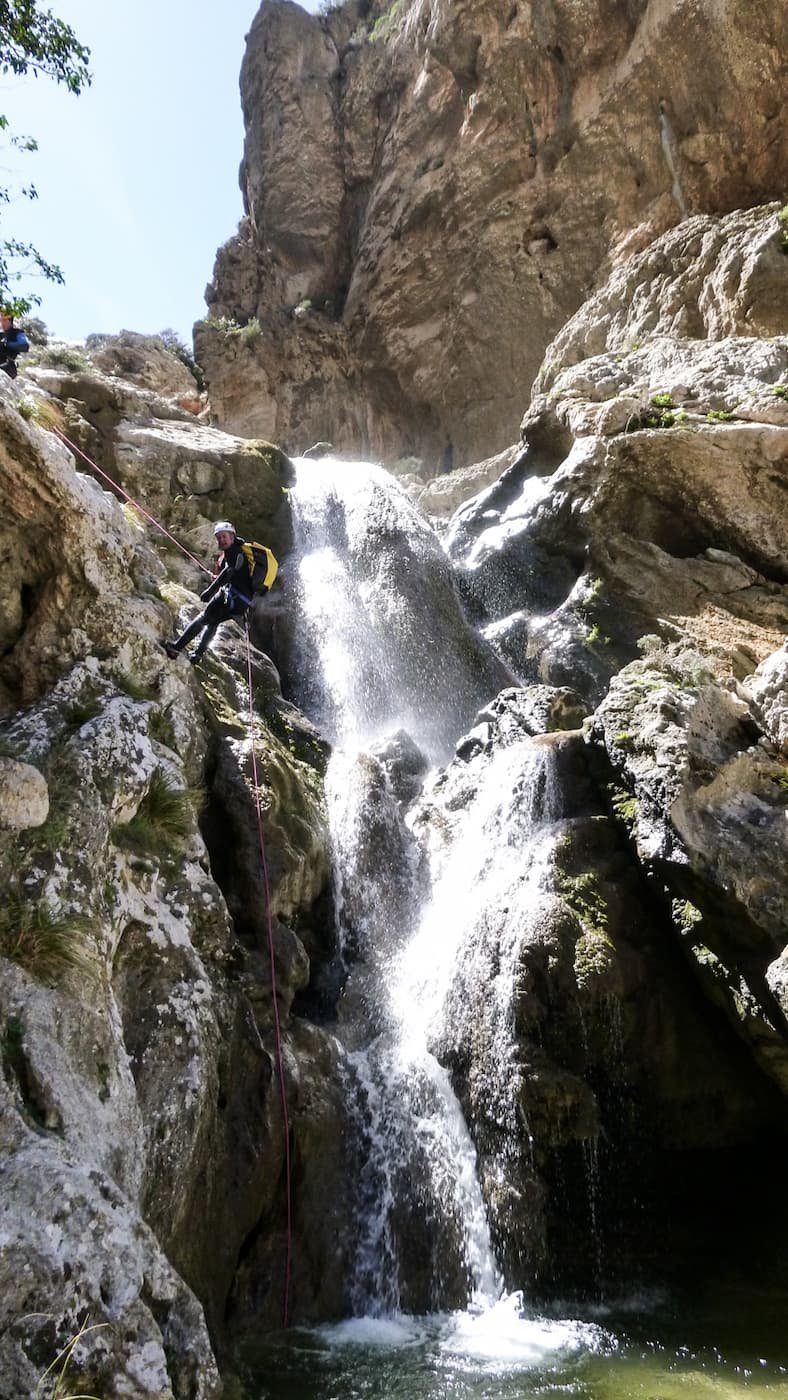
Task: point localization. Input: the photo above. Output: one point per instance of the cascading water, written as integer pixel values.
(439, 915)
(382, 646)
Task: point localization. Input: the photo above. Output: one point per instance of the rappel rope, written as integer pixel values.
(263, 858)
(136, 504)
(274, 998)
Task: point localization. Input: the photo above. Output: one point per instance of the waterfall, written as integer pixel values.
(379, 646)
(382, 637)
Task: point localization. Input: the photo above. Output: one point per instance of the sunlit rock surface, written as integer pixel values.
(649, 497)
(431, 191)
(141, 1118)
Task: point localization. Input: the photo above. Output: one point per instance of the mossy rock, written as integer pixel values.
(254, 495)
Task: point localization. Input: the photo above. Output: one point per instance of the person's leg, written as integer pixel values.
(215, 613)
(204, 643)
(234, 608)
(191, 631)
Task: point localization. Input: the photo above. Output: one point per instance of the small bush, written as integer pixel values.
(780, 391)
(225, 325)
(181, 351)
(385, 23)
(720, 415)
(165, 817)
(594, 637)
(64, 357)
(249, 332)
(587, 605)
(624, 805)
(652, 418)
(44, 412)
(232, 329)
(160, 728)
(663, 401)
(45, 944)
(687, 915)
(82, 713)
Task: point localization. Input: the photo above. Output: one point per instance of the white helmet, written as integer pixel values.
(222, 525)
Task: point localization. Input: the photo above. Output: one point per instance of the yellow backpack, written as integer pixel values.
(263, 567)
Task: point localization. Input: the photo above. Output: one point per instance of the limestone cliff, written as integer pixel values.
(432, 190)
(636, 550)
(141, 1136)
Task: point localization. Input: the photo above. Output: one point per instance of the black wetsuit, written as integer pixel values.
(235, 583)
(13, 342)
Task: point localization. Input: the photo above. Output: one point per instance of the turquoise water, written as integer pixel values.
(726, 1345)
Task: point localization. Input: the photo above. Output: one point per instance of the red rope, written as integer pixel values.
(130, 499)
(263, 858)
(282, 1086)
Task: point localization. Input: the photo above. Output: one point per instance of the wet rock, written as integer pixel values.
(403, 763)
(568, 1022)
(702, 793)
(407, 649)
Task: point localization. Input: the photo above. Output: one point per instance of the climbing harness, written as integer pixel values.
(261, 837)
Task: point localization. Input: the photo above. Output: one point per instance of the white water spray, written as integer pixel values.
(385, 645)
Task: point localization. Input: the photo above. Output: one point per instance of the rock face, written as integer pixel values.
(140, 1118)
(423, 215)
(636, 551)
(589, 1064)
(432, 191)
(648, 499)
(144, 360)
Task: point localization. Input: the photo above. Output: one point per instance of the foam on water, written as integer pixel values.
(399, 1331)
(509, 1337)
(505, 1337)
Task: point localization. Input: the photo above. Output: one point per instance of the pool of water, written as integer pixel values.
(725, 1345)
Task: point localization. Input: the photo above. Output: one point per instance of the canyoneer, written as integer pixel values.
(244, 570)
(13, 342)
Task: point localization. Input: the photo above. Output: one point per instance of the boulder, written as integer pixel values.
(24, 795)
(144, 360)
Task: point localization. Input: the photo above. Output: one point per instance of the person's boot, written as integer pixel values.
(171, 649)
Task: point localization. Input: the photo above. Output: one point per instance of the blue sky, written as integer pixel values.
(137, 178)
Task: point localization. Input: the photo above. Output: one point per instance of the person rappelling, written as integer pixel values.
(13, 342)
(245, 570)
